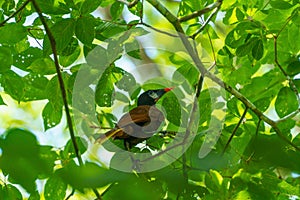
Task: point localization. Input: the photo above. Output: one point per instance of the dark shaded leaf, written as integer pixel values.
(293, 68)
(21, 158)
(258, 50)
(9, 191)
(6, 59)
(1, 101)
(85, 29)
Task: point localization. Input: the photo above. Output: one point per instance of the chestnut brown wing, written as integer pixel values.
(140, 122)
(138, 115)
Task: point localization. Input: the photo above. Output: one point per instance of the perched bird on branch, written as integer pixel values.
(139, 123)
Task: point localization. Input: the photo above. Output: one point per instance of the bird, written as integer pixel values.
(140, 123)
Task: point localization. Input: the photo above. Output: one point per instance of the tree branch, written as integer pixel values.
(204, 72)
(60, 79)
(62, 86)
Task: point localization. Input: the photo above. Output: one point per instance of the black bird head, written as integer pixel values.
(150, 97)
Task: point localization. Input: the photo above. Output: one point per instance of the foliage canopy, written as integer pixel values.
(237, 61)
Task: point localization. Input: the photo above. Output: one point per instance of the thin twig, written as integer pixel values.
(15, 13)
(200, 12)
(289, 116)
(157, 30)
(206, 22)
(235, 129)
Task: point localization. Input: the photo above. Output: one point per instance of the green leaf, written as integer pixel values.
(173, 108)
(24, 59)
(88, 6)
(21, 158)
(52, 115)
(70, 48)
(186, 71)
(127, 82)
(8, 6)
(85, 29)
(55, 188)
(106, 30)
(293, 68)
(246, 48)
(34, 196)
(54, 89)
(137, 9)
(69, 151)
(258, 50)
(6, 59)
(280, 4)
(53, 7)
(13, 85)
(93, 59)
(152, 189)
(9, 191)
(70, 59)
(133, 49)
(105, 86)
(286, 102)
(34, 87)
(116, 10)
(214, 180)
(63, 32)
(44, 66)
(89, 175)
(12, 33)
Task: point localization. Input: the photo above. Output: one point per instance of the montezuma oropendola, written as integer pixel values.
(139, 123)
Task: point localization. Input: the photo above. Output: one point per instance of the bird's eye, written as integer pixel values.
(153, 94)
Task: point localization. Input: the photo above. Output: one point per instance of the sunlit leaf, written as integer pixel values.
(55, 188)
(12, 33)
(286, 102)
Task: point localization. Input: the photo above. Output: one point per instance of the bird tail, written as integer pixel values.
(103, 138)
